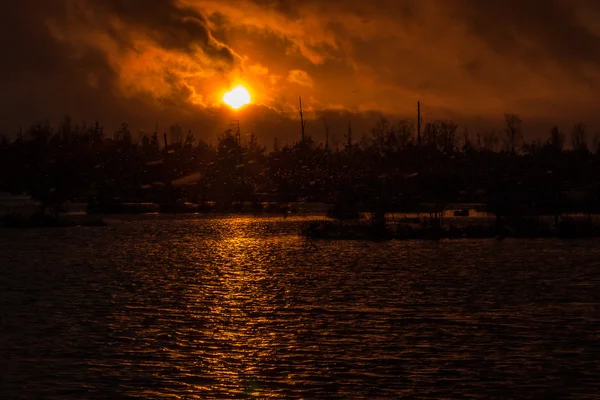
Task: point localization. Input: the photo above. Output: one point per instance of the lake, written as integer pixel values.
(189, 307)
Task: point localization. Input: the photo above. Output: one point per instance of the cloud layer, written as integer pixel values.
(168, 60)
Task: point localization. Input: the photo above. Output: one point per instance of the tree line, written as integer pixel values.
(393, 167)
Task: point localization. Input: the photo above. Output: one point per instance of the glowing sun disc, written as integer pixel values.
(237, 97)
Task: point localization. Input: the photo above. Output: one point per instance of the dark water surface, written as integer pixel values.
(223, 308)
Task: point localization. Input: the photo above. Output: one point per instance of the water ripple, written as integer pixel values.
(235, 307)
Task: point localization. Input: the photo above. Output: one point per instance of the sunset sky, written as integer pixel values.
(167, 61)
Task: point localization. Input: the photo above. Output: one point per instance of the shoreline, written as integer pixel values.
(526, 228)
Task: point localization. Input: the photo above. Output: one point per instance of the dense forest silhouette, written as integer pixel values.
(394, 167)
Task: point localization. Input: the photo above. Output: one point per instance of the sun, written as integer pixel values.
(237, 97)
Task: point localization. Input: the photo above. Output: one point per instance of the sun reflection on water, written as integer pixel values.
(238, 314)
(230, 307)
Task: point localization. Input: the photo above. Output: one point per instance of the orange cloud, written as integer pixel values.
(178, 56)
(300, 77)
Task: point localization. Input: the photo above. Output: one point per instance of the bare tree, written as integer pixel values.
(326, 126)
(467, 143)
(348, 136)
(175, 133)
(441, 135)
(302, 121)
(479, 142)
(490, 140)
(419, 121)
(596, 143)
(430, 134)
(449, 139)
(404, 130)
(513, 130)
(379, 132)
(578, 138)
(557, 139)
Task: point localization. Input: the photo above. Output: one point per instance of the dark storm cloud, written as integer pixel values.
(171, 26)
(41, 78)
(24, 40)
(535, 30)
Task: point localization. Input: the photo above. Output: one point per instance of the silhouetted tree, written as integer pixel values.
(490, 140)
(557, 139)
(578, 138)
(175, 133)
(384, 171)
(595, 145)
(123, 134)
(513, 131)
